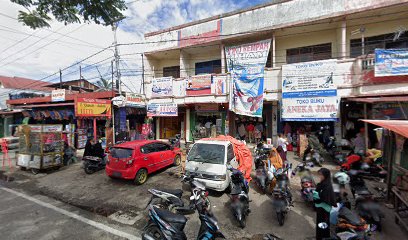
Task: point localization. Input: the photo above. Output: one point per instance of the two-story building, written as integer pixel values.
(344, 31)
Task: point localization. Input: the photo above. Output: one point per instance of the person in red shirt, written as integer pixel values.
(250, 129)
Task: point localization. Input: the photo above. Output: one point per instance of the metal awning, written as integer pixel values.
(48, 105)
(379, 99)
(397, 126)
(3, 112)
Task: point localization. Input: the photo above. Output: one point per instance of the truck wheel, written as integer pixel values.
(141, 177)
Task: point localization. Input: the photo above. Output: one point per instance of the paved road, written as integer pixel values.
(37, 217)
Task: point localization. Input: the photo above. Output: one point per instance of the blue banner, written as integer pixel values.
(391, 62)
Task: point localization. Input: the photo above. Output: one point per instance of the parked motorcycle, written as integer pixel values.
(239, 196)
(307, 182)
(262, 152)
(350, 226)
(365, 203)
(164, 224)
(175, 142)
(315, 157)
(282, 197)
(170, 199)
(93, 164)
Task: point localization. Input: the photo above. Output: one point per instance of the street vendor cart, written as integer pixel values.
(41, 147)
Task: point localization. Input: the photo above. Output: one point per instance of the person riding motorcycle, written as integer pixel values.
(94, 148)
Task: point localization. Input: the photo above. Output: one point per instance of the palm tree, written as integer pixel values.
(103, 83)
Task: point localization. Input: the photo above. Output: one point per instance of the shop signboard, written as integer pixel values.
(90, 107)
(162, 87)
(199, 85)
(52, 128)
(134, 100)
(58, 95)
(390, 110)
(162, 110)
(309, 92)
(219, 84)
(246, 64)
(391, 62)
(206, 108)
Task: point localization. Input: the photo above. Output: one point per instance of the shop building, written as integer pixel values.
(343, 32)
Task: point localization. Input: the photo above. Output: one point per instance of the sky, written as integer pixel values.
(37, 54)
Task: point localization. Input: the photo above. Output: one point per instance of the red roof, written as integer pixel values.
(397, 126)
(24, 84)
(134, 144)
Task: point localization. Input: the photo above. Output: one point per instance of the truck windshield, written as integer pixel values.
(207, 153)
(121, 152)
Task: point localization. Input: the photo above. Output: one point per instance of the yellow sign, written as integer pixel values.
(89, 107)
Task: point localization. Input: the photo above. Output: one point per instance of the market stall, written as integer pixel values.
(395, 160)
(41, 147)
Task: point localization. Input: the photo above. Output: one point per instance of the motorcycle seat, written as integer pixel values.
(362, 191)
(170, 217)
(350, 216)
(175, 192)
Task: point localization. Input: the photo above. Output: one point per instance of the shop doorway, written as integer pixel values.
(170, 126)
(208, 124)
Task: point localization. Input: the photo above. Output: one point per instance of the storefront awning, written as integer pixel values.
(397, 126)
(379, 99)
(48, 105)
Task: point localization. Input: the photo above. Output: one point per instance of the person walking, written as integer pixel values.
(250, 129)
(324, 200)
(282, 146)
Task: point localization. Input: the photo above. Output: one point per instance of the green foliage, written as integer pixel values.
(39, 12)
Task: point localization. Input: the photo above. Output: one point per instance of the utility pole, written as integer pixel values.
(60, 79)
(117, 58)
(80, 78)
(113, 110)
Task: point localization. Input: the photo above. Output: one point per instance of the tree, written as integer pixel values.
(39, 12)
(103, 83)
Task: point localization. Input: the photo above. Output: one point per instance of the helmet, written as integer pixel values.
(342, 178)
(365, 166)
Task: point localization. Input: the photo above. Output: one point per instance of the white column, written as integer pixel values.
(222, 59)
(343, 39)
(184, 64)
(273, 51)
(158, 128)
(274, 123)
(187, 125)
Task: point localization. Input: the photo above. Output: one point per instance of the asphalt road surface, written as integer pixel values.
(36, 217)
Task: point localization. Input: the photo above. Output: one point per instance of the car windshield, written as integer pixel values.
(121, 152)
(207, 153)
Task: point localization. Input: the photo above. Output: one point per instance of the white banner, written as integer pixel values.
(219, 84)
(162, 87)
(309, 92)
(58, 95)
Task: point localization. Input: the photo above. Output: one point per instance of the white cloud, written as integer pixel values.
(46, 52)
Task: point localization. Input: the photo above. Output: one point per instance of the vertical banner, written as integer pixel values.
(219, 84)
(162, 87)
(246, 63)
(309, 92)
(391, 62)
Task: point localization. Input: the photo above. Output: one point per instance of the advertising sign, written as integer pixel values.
(219, 85)
(391, 62)
(89, 107)
(162, 109)
(246, 64)
(309, 92)
(162, 87)
(134, 100)
(58, 95)
(199, 85)
(52, 128)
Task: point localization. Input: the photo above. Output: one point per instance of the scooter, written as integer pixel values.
(307, 182)
(239, 196)
(282, 197)
(365, 204)
(262, 153)
(175, 142)
(164, 224)
(170, 199)
(93, 164)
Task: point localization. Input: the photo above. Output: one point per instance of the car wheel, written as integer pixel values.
(141, 177)
(177, 160)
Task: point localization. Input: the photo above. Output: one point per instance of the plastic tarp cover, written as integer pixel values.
(242, 154)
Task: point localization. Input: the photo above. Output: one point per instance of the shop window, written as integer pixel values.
(309, 53)
(385, 41)
(171, 72)
(208, 67)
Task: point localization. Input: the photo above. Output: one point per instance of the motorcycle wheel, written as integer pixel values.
(88, 169)
(153, 231)
(242, 223)
(281, 218)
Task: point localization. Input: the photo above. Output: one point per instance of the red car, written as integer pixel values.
(136, 159)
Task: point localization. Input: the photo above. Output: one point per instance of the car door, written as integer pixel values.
(164, 154)
(149, 157)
